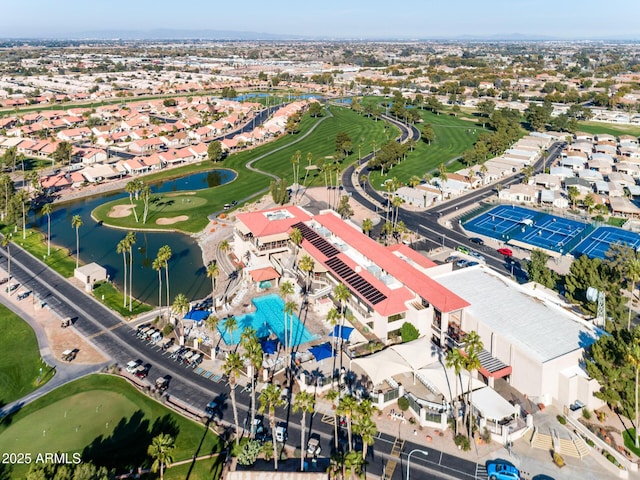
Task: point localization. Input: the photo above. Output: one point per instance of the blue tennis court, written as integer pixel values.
(538, 229)
(554, 233)
(500, 221)
(597, 244)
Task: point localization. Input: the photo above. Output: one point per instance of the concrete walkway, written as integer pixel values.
(64, 371)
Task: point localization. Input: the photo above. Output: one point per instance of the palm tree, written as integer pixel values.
(341, 294)
(296, 237)
(633, 357)
(157, 266)
(472, 345)
(396, 203)
(47, 209)
(286, 290)
(254, 355)
(230, 325)
(6, 243)
(346, 407)
(306, 170)
(304, 402)
(233, 367)
(180, 307)
(76, 222)
(122, 247)
(270, 399)
(224, 246)
(442, 174)
(456, 360)
(161, 450)
(332, 395)
(289, 310)
(22, 197)
(212, 323)
(307, 265)
(367, 429)
(131, 240)
(353, 461)
(133, 187)
(333, 317)
(367, 226)
(632, 268)
(212, 272)
(164, 254)
(145, 194)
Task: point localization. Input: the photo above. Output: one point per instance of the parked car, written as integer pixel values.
(471, 264)
(281, 433)
(477, 255)
(133, 365)
(477, 240)
(313, 446)
(463, 249)
(502, 471)
(451, 258)
(462, 263)
(506, 252)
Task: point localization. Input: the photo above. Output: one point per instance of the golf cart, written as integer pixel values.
(65, 322)
(162, 383)
(313, 445)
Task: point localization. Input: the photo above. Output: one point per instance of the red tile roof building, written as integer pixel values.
(389, 285)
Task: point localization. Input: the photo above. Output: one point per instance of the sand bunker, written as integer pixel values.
(172, 220)
(120, 211)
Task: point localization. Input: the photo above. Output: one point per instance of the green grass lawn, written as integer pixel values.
(615, 130)
(105, 419)
(209, 469)
(453, 136)
(20, 360)
(321, 144)
(60, 259)
(113, 299)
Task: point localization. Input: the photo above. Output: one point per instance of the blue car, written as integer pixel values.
(502, 471)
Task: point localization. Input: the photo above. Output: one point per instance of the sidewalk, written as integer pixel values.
(52, 340)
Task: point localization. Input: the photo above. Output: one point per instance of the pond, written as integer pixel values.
(98, 243)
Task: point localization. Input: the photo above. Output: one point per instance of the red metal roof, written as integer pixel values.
(440, 297)
(261, 225)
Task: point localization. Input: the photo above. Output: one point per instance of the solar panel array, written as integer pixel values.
(355, 281)
(316, 240)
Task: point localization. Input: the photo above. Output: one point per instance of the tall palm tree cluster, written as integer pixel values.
(137, 189)
(467, 358)
(358, 418)
(125, 246)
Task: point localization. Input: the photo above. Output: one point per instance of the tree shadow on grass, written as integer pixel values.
(127, 446)
(5, 471)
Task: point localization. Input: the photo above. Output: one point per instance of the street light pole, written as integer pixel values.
(424, 452)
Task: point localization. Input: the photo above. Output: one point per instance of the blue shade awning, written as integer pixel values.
(269, 346)
(322, 351)
(346, 332)
(197, 315)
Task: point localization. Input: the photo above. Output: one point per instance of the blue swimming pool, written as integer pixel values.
(267, 319)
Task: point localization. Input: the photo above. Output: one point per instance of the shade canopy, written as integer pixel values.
(269, 346)
(344, 334)
(197, 315)
(322, 351)
(442, 380)
(397, 359)
(491, 405)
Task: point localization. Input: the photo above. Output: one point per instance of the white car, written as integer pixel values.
(132, 366)
(281, 434)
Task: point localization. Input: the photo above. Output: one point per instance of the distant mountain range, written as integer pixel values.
(183, 34)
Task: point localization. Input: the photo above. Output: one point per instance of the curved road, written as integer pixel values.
(426, 222)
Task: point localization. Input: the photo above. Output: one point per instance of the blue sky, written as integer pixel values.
(334, 18)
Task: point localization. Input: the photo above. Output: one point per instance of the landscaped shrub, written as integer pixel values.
(462, 442)
(561, 420)
(249, 453)
(167, 329)
(586, 413)
(403, 404)
(408, 332)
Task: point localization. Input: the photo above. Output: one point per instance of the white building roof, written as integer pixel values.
(541, 328)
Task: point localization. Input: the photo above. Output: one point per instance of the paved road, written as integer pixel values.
(117, 339)
(426, 222)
